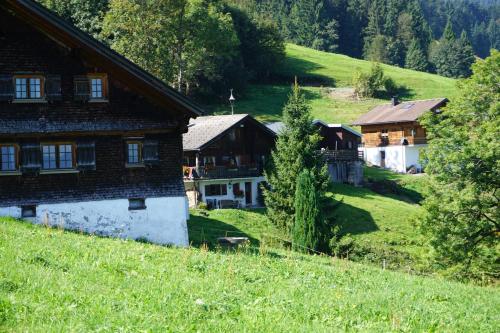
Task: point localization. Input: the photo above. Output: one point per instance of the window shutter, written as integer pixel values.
(31, 158)
(53, 88)
(150, 152)
(85, 156)
(6, 88)
(82, 88)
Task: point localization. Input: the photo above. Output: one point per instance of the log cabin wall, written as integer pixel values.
(413, 132)
(336, 138)
(25, 50)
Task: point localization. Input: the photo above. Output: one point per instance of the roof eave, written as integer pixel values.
(160, 92)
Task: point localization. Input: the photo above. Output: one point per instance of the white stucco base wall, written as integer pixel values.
(397, 158)
(164, 221)
(200, 186)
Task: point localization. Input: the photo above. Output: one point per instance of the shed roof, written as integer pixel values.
(400, 113)
(140, 80)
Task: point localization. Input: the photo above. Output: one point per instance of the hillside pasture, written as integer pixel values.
(53, 281)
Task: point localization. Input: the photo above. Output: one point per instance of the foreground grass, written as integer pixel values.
(52, 281)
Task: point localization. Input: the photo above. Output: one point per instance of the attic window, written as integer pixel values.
(98, 86)
(408, 106)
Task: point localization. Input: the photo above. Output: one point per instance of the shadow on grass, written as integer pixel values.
(353, 220)
(302, 69)
(204, 230)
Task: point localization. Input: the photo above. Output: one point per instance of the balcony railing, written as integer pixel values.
(341, 155)
(222, 172)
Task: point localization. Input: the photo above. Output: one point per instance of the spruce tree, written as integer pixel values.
(415, 57)
(297, 148)
(448, 33)
(465, 56)
(308, 218)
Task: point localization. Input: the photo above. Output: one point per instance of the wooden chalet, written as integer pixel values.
(88, 140)
(224, 157)
(393, 136)
(339, 145)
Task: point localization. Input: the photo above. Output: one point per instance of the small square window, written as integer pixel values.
(136, 204)
(28, 211)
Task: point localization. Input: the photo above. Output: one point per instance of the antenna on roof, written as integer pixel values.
(231, 101)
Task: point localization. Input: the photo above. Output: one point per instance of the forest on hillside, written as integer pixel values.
(409, 33)
(204, 47)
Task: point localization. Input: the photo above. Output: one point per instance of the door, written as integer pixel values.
(382, 159)
(248, 193)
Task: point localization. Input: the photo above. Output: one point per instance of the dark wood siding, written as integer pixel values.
(25, 50)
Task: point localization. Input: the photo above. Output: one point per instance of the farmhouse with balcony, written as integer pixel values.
(392, 135)
(88, 140)
(224, 159)
(339, 145)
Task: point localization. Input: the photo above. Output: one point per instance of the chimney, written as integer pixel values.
(394, 100)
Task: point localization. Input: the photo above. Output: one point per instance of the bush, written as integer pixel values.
(373, 83)
(202, 205)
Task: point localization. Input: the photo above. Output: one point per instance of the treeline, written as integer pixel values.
(406, 33)
(200, 47)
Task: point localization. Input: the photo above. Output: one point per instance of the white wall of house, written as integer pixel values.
(163, 221)
(397, 158)
(200, 185)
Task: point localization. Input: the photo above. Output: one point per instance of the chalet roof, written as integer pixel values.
(204, 130)
(347, 128)
(278, 126)
(138, 79)
(402, 112)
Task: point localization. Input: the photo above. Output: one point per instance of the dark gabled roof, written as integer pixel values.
(347, 128)
(140, 80)
(278, 126)
(400, 113)
(204, 130)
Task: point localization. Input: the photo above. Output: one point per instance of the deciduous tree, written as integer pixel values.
(463, 204)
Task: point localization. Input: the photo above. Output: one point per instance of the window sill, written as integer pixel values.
(59, 171)
(134, 166)
(98, 100)
(10, 173)
(29, 101)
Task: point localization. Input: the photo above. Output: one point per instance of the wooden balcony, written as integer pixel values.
(342, 155)
(223, 172)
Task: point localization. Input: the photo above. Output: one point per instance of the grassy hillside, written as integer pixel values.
(380, 226)
(53, 281)
(318, 72)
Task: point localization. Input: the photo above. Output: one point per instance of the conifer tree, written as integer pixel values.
(297, 148)
(308, 218)
(415, 57)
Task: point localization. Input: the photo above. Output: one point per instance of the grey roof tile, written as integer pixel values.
(403, 112)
